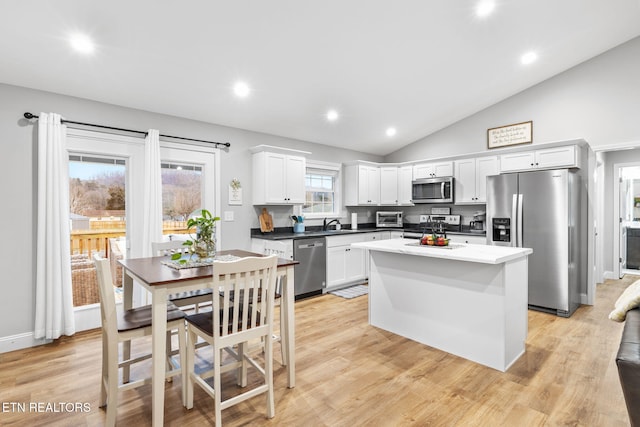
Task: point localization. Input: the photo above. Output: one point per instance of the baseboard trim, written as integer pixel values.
(608, 275)
(20, 341)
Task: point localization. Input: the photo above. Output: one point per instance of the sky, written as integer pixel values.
(88, 170)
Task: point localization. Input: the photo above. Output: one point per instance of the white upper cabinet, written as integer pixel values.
(557, 157)
(405, 176)
(362, 185)
(432, 170)
(471, 178)
(389, 185)
(278, 178)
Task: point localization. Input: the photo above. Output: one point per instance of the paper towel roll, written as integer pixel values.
(354, 221)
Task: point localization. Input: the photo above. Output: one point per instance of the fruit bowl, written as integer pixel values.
(430, 240)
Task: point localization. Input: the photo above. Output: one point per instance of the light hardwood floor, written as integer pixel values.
(352, 374)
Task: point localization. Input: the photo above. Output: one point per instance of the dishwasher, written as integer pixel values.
(310, 274)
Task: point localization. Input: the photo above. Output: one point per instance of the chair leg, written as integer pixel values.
(268, 374)
(217, 388)
(112, 384)
(190, 367)
(242, 370)
(168, 352)
(183, 364)
(126, 355)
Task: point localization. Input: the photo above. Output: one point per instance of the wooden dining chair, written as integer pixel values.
(233, 323)
(122, 326)
(184, 300)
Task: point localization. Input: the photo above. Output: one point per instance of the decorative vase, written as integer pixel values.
(204, 246)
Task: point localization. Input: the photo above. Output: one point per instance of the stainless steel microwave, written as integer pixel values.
(389, 219)
(432, 190)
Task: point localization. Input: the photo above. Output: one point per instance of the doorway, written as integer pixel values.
(627, 177)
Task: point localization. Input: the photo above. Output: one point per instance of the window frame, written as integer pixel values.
(334, 169)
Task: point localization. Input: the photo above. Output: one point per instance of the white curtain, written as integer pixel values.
(54, 296)
(152, 231)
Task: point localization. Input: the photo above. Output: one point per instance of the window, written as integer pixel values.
(181, 195)
(322, 184)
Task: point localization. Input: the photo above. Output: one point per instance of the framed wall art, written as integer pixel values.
(504, 136)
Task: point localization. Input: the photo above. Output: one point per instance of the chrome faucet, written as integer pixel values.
(326, 224)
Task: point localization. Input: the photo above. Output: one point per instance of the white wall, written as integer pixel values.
(18, 178)
(598, 100)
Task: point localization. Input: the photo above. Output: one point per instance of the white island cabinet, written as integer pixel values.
(468, 300)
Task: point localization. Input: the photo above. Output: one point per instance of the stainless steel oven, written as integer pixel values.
(432, 190)
(389, 219)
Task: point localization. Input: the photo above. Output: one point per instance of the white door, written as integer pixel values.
(92, 154)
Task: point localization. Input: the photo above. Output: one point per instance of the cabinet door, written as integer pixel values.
(295, 188)
(443, 169)
(374, 186)
(405, 176)
(336, 266)
(389, 185)
(517, 161)
(465, 181)
(368, 185)
(423, 170)
(485, 166)
(275, 185)
(355, 264)
(556, 157)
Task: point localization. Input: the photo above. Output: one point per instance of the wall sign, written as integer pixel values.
(235, 192)
(503, 136)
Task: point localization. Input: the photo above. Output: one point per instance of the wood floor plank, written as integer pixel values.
(352, 374)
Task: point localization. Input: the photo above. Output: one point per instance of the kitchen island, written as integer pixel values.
(468, 300)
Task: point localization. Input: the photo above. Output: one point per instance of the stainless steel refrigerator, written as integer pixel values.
(542, 210)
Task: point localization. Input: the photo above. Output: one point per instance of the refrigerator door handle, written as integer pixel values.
(520, 228)
(514, 219)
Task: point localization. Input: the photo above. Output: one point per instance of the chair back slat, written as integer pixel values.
(168, 248)
(247, 290)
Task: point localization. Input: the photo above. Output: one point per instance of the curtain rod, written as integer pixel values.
(30, 116)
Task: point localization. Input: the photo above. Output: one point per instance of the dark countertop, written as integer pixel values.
(282, 233)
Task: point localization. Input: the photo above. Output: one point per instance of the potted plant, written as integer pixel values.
(203, 244)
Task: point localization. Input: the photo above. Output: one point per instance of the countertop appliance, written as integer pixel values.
(542, 210)
(388, 219)
(310, 275)
(477, 225)
(432, 190)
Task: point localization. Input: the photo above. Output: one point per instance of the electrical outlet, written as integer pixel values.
(228, 215)
(424, 218)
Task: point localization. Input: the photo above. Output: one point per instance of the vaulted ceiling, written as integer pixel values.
(413, 65)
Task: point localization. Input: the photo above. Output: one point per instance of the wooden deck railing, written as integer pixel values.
(97, 240)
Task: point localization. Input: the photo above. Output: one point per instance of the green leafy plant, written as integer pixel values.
(203, 244)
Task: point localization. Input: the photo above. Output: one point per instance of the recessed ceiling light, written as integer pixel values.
(332, 115)
(391, 131)
(81, 43)
(485, 8)
(528, 58)
(241, 89)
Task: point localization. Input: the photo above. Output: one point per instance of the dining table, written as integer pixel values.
(161, 279)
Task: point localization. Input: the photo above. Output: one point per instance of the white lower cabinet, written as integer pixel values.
(345, 264)
(462, 238)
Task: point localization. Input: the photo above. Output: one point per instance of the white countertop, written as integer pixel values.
(485, 254)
